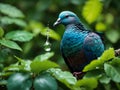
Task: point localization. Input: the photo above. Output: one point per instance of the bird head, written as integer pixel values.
(66, 18)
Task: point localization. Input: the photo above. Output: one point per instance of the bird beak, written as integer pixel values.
(57, 22)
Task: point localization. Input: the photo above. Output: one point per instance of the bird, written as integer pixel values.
(79, 46)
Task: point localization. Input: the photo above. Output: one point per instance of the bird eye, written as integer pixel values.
(67, 16)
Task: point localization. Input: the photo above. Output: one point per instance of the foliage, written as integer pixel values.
(21, 36)
(10, 44)
(92, 10)
(40, 72)
(106, 70)
(107, 55)
(10, 10)
(23, 82)
(24, 63)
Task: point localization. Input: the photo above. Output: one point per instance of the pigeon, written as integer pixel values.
(79, 46)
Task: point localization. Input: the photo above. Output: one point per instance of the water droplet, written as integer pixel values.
(47, 45)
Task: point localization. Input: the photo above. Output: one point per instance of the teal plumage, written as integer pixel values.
(78, 46)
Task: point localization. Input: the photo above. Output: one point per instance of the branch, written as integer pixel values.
(117, 52)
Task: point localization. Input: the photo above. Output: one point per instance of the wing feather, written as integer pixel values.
(93, 46)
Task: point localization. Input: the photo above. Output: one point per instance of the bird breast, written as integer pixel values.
(72, 42)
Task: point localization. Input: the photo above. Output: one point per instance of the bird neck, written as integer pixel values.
(78, 25)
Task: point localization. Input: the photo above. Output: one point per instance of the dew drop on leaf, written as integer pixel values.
(47, 45)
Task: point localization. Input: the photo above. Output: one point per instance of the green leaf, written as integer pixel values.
(107, 55)
(113, 72)
(10, 10)
(8, 20)
(109, 18)
(5, 74)
(38, 66)
(63, 76)
(93, 74)
(87, 83)
(105, 79)
(1, 32)
(52, 33)
(13, 67)
(10, 44)
(39, 28)
(45, 56)
(100, 27)
(25, 64)
(115, 35)
(21, 36)
(21, 65)
(19, 81)
(92, 10)
(36, 27)
(96, 64)
(45, 82)
(115, 61)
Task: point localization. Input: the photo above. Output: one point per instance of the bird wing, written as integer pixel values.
(93, 46)
(75, 62)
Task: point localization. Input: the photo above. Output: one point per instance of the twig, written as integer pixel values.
(117, 52)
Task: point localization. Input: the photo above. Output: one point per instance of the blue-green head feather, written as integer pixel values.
(66, 18)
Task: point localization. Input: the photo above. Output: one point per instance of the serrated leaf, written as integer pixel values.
(45, 82)
(10, 10)
(8, 20)
(87, 83)
(45, 56)
(38, 66)
(21, 36)
(113, 72)
(92, 10)
(10, 44)
(96, 64)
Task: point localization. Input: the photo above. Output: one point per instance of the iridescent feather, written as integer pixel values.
(78, 46)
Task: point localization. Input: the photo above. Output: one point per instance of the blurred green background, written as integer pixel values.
(37, 16)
